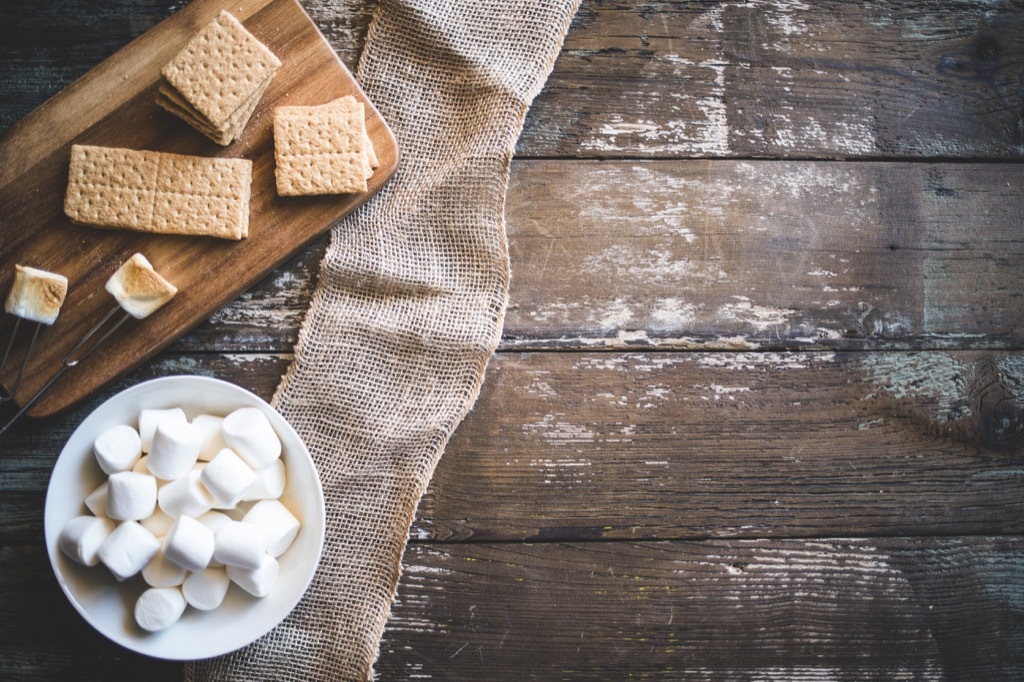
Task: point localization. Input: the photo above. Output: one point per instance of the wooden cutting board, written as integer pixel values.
(113, 105)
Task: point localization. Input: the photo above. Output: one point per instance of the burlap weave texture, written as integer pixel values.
(407, 312)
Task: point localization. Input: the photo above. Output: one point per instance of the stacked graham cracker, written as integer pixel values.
(218, 78)
(322, 149)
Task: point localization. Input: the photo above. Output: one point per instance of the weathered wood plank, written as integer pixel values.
(783, 78)
(768, 78)
(731, 254)
(762, 254)
(564, 446)
(48, 45)
(815, 610)
(834, 609)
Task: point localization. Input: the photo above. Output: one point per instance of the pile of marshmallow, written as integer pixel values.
(192, 506)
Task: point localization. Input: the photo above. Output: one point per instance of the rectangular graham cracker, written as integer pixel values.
(219, 70)
(158, 192)
(321, 149)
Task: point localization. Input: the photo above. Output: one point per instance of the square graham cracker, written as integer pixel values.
(322, 149)
(219, 70)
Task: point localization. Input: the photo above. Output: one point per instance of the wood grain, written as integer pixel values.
(816, 610)
(613, 446)
(113, 105)
(766, 254)
(566, 446)
(765, 78)
(928, 609)
(785, 79)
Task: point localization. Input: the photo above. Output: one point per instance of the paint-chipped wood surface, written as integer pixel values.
(758, 412)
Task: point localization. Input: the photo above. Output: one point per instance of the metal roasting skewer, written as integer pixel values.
(5, 396)
(70, 361)
(139, 291)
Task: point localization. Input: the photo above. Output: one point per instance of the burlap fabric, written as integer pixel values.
(408, 309)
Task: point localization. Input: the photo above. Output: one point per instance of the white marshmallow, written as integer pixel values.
(158, 523)
(162, 572)
(96, 501)
(205, 589)
(117, 449)
(128, 549)
(175, 449)
(140, 466)
(189, 544)
(185, 495)
(248, 432)
(214, 520)
(158, 608)
(82, 536)
(149, 419)
(278, 524)
(269, 485)
(212, 435)
(240, 544)
(227, 477)
(256, 581)
(131, 496)
(236, 513)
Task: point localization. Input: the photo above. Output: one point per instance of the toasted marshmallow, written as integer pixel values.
(96, 501)
(175, 449)
(158, 608)
(240, 544)
(138, 288)
(162, 572)
(205, 589)
(189, 544)
(151, 418)
(82, 536)
(185, 495)
(36, 295)
(227, 478)
(212, 435)
(279, 525)
(131, 496)
(128, 549)
(269, 485)
(256, 581)
(248, 432)
(117, 449)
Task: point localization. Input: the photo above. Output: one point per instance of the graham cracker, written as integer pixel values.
(219, 70)
(172, 101)
(159, 192)
(321, 149)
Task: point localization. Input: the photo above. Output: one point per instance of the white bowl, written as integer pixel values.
(108, 605)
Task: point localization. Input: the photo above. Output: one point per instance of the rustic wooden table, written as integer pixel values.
(758, 412)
